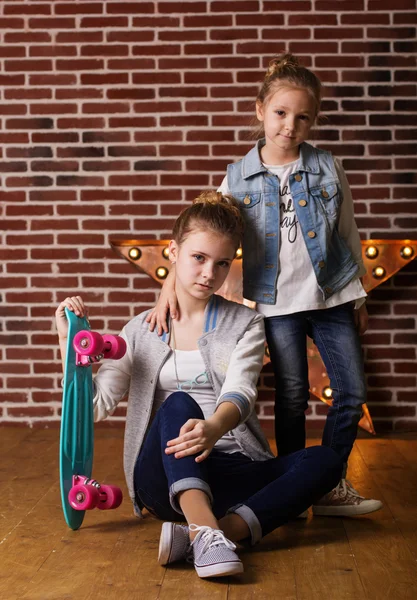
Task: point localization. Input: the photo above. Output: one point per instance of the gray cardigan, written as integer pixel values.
(232, 348)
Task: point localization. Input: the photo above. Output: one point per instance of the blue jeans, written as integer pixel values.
(334, 333)
(266, 494)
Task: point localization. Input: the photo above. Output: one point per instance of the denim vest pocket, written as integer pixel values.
(329, 198)
(250, 203)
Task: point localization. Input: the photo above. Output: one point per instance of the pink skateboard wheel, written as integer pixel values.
(88, 343)
(110, 497)
(83, 497)
(114, 346)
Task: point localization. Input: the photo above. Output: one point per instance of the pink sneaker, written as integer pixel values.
(345, 501)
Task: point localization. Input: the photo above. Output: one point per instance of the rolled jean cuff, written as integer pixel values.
(188, 483)
(251, 521)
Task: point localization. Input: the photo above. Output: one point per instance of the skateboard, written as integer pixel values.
(78, 491)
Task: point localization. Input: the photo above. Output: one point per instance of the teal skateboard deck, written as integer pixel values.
(78, 491)
(77, 422)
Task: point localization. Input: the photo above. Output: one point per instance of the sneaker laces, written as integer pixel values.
(211, 538)
(345, 489)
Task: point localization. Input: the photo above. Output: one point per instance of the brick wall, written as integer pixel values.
(114, 115)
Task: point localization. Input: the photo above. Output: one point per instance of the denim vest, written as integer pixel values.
(317, 197)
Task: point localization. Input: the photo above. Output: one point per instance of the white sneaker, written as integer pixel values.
(214, 554)
(174, 543)
(345, 501)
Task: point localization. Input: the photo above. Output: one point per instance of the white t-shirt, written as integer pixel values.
(297, 288)
(193, 379)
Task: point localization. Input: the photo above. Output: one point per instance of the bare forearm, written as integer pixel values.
(63, 349)
(226, 417)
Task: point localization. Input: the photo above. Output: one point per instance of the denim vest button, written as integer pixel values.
(311, 234)
(321, 264)
(298, 177)
(246, 200)
(328, 290)
(302, 202)
(242, 428)
(325, 194)
(203, 342)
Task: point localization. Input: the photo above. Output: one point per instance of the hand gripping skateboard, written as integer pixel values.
(78, 491)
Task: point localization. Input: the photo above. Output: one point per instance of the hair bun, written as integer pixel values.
(280, 63)
(213, 197)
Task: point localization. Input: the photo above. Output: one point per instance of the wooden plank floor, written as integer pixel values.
(113, 555)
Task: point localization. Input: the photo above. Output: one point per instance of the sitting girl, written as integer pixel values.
(193, 447)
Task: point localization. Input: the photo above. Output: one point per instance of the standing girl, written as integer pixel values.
(193, 446)
(302, 265)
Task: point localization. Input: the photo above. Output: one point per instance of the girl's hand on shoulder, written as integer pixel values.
(361, 319)
(76, 305)
(167, 302)
(196, 435)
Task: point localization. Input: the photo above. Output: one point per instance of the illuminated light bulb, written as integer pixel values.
(371, 252)
(161, 272)
(165, 252)
(239, 253)
(328, 392)
(407, 252)
(378, 272)
(135, 253)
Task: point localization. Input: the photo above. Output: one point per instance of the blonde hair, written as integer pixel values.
(283, 69)
(214, 211)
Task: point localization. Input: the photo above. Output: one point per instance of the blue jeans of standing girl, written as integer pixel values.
(334, 332)
(266, 494)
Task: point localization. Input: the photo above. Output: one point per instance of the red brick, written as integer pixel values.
(186, 92)
(132, 180)
(105, 50)
(79, 37)
(405, 18)
(106, 194)
(53, 79)
(81, 123)
(68, 8)
(392, 5)
(326, 33)
(367, 76)
(391, 32)
(138, 35)
(363, 18)
(103, 22)
(132, 94)
(187, 35)
(280, 5)
(366, 135)
(28, 65)
(13, 397)
(158, 136)
(27, 37)
(104, 225)
(57, 50)
(25, 9)
(80, 64)
(132, 122)
(68, 239)
(28, 94)
(66, 94)
(210, 136)
(185, 121)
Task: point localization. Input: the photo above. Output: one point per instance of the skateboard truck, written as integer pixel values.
(87, 493)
